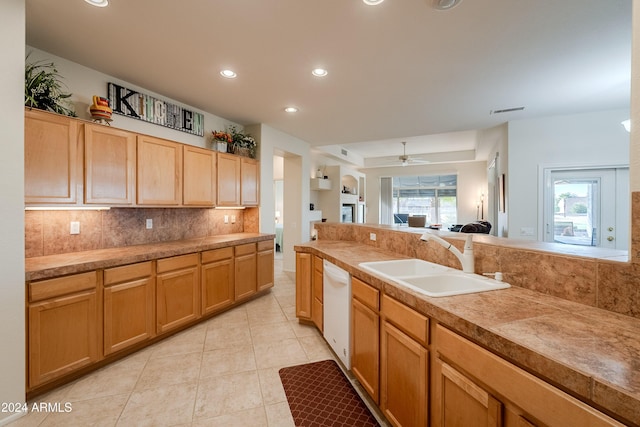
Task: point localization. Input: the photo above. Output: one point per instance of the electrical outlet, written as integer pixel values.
(233, 219)
(149, 223)
(526, 231)
(226, 219)
(74, 227)
(372, 236)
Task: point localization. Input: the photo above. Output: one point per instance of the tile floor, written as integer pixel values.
(221, 372)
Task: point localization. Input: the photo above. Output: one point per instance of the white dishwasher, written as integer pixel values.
(336, 284)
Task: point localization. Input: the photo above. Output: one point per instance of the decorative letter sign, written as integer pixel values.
(128, 102)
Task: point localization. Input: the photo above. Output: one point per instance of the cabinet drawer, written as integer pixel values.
(174, 263)
(217, 255)
(247, 249)
(127, 272)
(62, 285)
(411, 322)
(367, 294)
(266, 245)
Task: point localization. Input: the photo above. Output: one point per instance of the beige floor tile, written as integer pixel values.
(168, 370)
(279, 415)
(223, 336)
(271, 386)
(227, 394)
(121, 377)
(265, 333)
(227, 361)
(268, 316)
(188, 341)
(279, 353)
(255, 417)
(233, 317)
(316, 348)
(102, 411)
(303, 329)
(161, 406)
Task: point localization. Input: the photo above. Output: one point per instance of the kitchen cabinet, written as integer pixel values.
(129, 306)
(403, 364)
(52, 153)
(228, 171)
(265, 265)
(110, 165)
(159, 172)
(249, 182)
(246, 279)
(199, 176)
(303, 285)
(474, 387)
(317, 306)
(217, 276)
(365, 336)
(177, 292)
(63, 330)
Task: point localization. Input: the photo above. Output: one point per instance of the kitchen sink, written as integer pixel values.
(432, 279)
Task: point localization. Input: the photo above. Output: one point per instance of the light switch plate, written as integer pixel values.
(74, 227)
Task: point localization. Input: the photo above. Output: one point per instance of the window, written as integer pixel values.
(433, 196)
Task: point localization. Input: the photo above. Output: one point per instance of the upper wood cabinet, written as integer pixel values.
(110, 165)
(159, 172)
(228, 180)
(199, 177)
(51, 153)
(249, 182)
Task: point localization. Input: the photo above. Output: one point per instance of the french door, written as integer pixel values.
(587, 207)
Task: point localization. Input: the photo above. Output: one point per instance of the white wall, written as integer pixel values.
(12, 315)
(592, 139)
(634, 152)
(297, 164)
(496, 138)
(83, 83)
(472, 181)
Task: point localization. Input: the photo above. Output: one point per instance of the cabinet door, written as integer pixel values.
(465, 404)
(245, 271)
(217, 280)
(109, 162)
(317, 307)
(159, 172)
(63, 336)
(228, 180)
(249, 182)
(265, 265)
(365, 347)
(403, 378)
(177, 292)
(50, 158)
(199, 176)
(129, 302)
(303, 286)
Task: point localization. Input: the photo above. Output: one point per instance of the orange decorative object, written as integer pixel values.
(100, 109)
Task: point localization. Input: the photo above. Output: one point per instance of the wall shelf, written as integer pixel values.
(320, 184)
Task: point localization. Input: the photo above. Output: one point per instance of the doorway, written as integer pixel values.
(587, 207)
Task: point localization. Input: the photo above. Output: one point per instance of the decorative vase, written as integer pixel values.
(100, 110)
(220, 146)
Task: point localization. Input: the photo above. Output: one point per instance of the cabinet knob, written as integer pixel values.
(610, 238)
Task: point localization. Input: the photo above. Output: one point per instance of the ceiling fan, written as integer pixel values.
(406, 160)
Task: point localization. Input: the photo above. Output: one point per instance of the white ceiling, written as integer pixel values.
(399, 71)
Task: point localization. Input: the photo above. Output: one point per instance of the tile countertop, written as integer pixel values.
(49, 266)
(590, 353)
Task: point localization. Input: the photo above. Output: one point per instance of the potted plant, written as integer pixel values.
(243, 144)
(43, 89)
(220, 140)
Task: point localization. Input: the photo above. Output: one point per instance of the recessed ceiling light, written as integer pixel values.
(229, 74)
(372, 2)
(99, 3)
(291, 110)
(445, 4)
(319, 72)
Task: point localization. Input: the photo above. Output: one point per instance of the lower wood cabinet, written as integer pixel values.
(365, 337)
(317, 306)
(265, 265)
(63, 329)
(246, 279)
(177, 292)
(218, 283)
(129, 306)
(304, 292)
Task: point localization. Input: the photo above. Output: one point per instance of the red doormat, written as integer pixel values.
(320, 395)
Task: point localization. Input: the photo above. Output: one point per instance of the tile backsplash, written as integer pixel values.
(47, 232)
